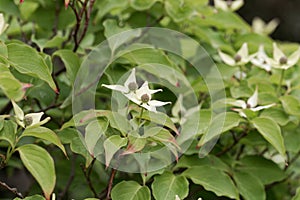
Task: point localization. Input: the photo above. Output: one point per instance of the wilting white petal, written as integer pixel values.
(240, 111)
(243, 52)
(240, 75)
(157, 103)
(258, 108)
(277, 53)
(18, 111)
(3, 25)
(221, 4)
(258, 25)
(227, 58)
(294, 58)
(271, 26)
(36, 117)
(252, 101)
(119, 88)
(237, 4)
(238, 103)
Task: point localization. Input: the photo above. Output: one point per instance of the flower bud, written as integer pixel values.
(132, 86)
(283, 60)
(237, 58)
(145, 98)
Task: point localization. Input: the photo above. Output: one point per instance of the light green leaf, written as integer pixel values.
(111, 146)
(221, 123)
(297, 195)
(71, 62)
(34, 197)
(212, 180)
(135, 144)
(142, 4)
(27, 61)
(8, 132)
(130, 190)
(93, 132)
(178, 10)
(78, 146)
(167, 186)
(41, 165)
(265, 170)
(11, 87)
(278, 115)
(45, 134)
(290, 104)
(250, 187)
(161, 135)
(271, 132)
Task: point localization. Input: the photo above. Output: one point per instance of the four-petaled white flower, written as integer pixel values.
(281, 61)
(251, 104)
(263, 28)
(141, 96)
(3, 25)
(228, 5)
(28, 120)
(242, 56)
(261, 59)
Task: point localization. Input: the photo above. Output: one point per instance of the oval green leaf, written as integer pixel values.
(130, 190)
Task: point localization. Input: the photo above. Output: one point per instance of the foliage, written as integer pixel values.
(160, 128)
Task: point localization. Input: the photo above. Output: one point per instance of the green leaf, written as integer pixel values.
(297, 195)
(290, 104)
(160, 118)
(178, 10)
(78, 146)
(41, 165)
(142, 4)
(221, 123)
(111, 146)
(27, 61)
(135, 144)
(34, 197)
(167, 186)
(249, 186)
(45, 134)
(271, 132)
(130, 190)
(71, 62)
(278, 115)
(11, 87)
(265, 170)
(93, 132)
(213, 180)
(8, 132)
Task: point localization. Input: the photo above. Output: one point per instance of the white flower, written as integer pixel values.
(3, 25)
(261, 59)
(240, 58)
(281, 61)
(142, 97)
(251, 104)
(240, 75)
(260, 27)
(28, 120)
(228, 5)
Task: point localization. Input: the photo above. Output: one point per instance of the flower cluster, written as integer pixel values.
(260, 58)
(28, 120)
(228, 5)
(141, 96)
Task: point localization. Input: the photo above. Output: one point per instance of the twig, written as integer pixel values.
(56, 20)
(110, 183)
(236, 141)
(71, 177)
(13, 190)
(87, 174)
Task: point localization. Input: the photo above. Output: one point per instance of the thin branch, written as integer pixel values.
(13, 190)
(110, 183)
(87, 174)
(71, 177)
(236, 141)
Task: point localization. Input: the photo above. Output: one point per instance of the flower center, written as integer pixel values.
(237, 58)
(28, 121)
(132, 86)
(145, 98)
(229, 3)
(283, 60)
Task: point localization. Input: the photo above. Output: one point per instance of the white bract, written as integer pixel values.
(241, 57)
(281, 61)
(251, 104)
(3, 25)
(261, 59)
(141, 96)
(28, 120)
(262, 28)
(228, 5)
